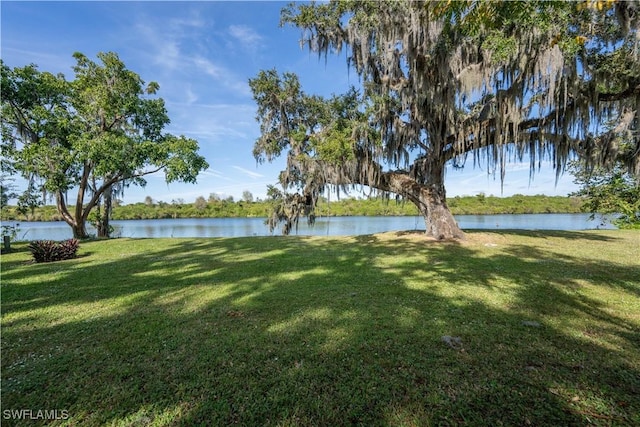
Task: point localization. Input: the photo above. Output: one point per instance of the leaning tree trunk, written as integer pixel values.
(439, 222)
(424, 187)
(430, 198)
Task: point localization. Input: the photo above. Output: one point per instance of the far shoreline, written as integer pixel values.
(467, 205)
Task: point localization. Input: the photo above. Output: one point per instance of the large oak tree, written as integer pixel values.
(95, 134)
(451, 82)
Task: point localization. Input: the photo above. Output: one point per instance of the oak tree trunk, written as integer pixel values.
(429, 197)
(440, 223)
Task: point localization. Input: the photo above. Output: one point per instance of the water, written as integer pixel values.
(335, 226)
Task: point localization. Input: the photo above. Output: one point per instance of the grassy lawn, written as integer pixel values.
(294, 331)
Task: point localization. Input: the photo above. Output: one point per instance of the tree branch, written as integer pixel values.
(114, 180)
(632, 90)
(62, 208)
(22, 123)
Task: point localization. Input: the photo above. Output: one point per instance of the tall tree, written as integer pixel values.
(100, 132)
(200, 204)
(247, 196)
(445, 82)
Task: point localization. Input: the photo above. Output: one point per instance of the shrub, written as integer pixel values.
(48, 250)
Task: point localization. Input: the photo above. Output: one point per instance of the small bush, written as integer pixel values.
(48, 250)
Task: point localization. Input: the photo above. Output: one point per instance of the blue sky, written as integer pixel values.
(202, 55)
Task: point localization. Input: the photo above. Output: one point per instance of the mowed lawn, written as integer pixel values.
(540, 328)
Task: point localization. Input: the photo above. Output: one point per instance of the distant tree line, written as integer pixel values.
(217, 207)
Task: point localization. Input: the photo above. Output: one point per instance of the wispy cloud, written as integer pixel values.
(179, 24)
(206, 66)
(248, 172)
(190, 96)
(217, 76)
(215, 124)
(215, 174)
(246, 36)
(163, 47)
(222, 76)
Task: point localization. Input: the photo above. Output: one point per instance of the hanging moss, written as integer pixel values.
(490, 81)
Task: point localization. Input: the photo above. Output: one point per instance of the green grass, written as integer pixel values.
(294, 331)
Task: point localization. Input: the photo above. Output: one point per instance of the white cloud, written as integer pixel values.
(190, 96)
(245, 35)
(207, 67)
(183, 49)
(163, 48)
(223, 78)
(214, 123)
(248, 172)
(179, 24)
(215, 174)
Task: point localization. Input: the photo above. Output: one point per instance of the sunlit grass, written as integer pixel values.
(328, 331)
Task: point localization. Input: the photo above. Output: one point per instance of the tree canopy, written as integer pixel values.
(98, 133)
(449, 82)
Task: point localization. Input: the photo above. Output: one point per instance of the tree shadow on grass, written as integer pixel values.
(588, 235)
(306, 331)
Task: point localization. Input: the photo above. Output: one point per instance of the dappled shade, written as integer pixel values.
(329, 331)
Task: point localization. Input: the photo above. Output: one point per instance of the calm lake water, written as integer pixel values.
(334, 226)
